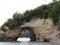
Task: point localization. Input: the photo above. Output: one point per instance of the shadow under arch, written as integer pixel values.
(31, 34)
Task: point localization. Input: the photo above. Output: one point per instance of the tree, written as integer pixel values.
(58, 25)
(18, 18)
(55, 12)
(51, 10)
(10, 23)
(28, 15)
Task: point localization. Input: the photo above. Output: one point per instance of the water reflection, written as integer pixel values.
(25, 43)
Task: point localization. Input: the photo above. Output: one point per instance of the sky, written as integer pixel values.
(8, 7)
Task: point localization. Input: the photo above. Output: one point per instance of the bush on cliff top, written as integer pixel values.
(45, 11)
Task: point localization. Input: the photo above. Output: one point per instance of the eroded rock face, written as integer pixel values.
(43, 29)
(39, 30)
(13, 33)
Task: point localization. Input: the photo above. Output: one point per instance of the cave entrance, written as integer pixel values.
(28, 32)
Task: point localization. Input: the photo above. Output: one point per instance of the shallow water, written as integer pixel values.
(26, 43)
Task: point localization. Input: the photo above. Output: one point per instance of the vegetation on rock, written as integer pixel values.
(51, 10)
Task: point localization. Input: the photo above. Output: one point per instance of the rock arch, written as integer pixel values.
(31, 35)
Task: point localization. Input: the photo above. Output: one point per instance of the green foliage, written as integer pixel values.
(14, 22)
(10, 23)
(55, 12)
(58, 25)
(18, 18)
(51, 10)
(28, 15)
(3, 29)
